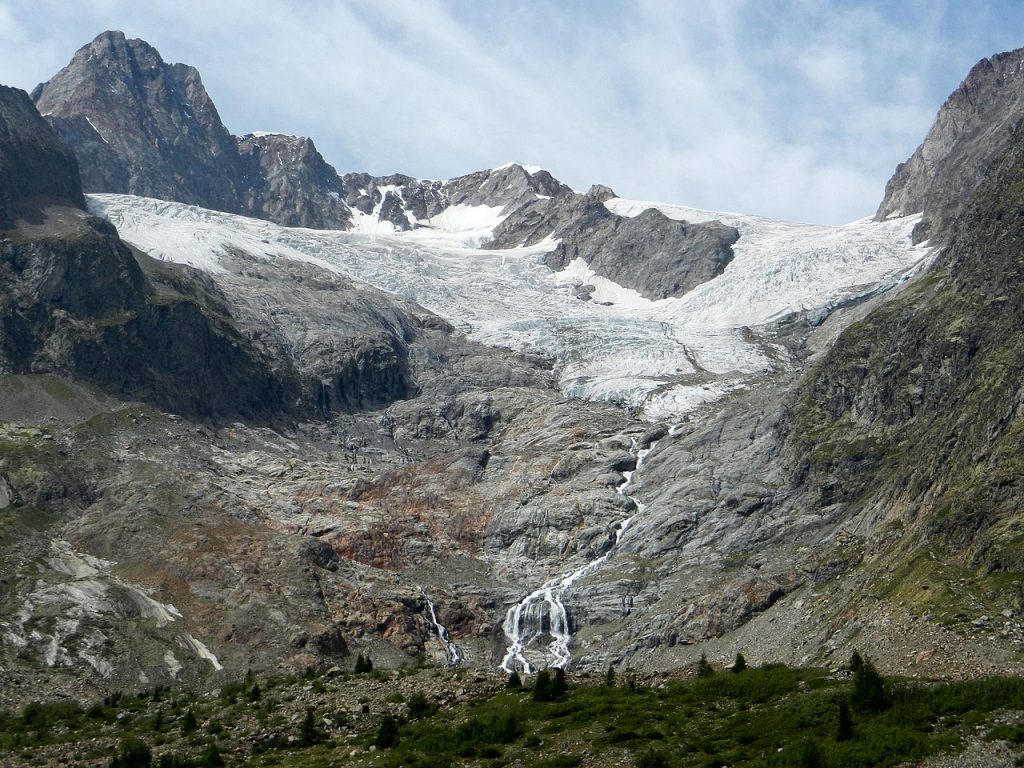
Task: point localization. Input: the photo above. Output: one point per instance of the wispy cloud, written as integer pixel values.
(791, 109)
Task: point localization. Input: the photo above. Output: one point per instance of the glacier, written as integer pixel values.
(659, 358)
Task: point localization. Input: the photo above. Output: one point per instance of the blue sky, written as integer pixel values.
(797, 109)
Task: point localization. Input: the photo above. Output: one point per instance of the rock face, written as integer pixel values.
(916, 407)
(649, 253)
(285, 179)
(34, 163)
(972, 127)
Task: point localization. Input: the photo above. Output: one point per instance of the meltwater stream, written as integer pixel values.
(542, 611)
(452, 653)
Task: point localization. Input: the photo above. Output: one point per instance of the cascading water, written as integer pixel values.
(452, 653)
(542, 611)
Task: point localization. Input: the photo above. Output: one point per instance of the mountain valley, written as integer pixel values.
(259, 419)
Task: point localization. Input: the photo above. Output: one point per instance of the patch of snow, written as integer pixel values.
(264, 134)
(93, 126)
(530, 169)
(200, 650)
(173, 665)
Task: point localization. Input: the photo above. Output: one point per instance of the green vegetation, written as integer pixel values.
(770, 716)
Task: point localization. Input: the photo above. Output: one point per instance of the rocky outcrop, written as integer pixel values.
(972, 128)
(650, 253)
(35, 166)
(79, 303)
(285, 179)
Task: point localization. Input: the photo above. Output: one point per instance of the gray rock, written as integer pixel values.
(971, 129)
(35, 165)
(652, 254)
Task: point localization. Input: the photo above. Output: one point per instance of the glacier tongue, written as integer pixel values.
(661, 358)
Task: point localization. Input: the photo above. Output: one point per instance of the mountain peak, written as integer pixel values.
(971, 127)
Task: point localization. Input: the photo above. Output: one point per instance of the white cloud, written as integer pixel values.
(793, 109)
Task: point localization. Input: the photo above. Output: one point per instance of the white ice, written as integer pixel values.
(662, 358)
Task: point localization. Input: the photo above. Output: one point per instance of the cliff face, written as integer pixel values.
(34, 163)
(973, 126)
(144, 127)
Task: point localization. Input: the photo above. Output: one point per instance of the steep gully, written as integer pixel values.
(542, 613)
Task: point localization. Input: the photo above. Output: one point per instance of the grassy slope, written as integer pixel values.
(774, 716)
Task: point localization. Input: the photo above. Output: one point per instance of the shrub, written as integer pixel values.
(419, 706)
(740, 664)
(308, 734)
(363, 664)
(211, 757)
(132, 754)
(514, 682)
(811, 755)
(652, 759)
(844, 729)
(188, 722)
(704, 668)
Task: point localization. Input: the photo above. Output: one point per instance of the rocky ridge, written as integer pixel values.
(143, 127)
(973, 127)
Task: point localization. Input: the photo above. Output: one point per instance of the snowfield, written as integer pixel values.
(661, 358)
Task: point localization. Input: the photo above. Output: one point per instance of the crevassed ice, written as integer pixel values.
(662, 358)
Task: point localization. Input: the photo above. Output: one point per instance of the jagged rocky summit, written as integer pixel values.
(143, 127)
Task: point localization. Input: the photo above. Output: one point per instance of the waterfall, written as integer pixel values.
(452, 653)
(543, 612)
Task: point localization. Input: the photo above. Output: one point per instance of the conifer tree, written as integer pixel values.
(704, 668)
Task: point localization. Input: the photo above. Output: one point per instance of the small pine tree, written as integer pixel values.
(514, 682)
(704, 668)
(309, 734)
(543, 687)
(364, 664)
(559, 685)
(856, 662)
(255, 694)
(869, 692)
(188, 722)
(844, 730)
(387, 733)
(740, 664)
(609, 677)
